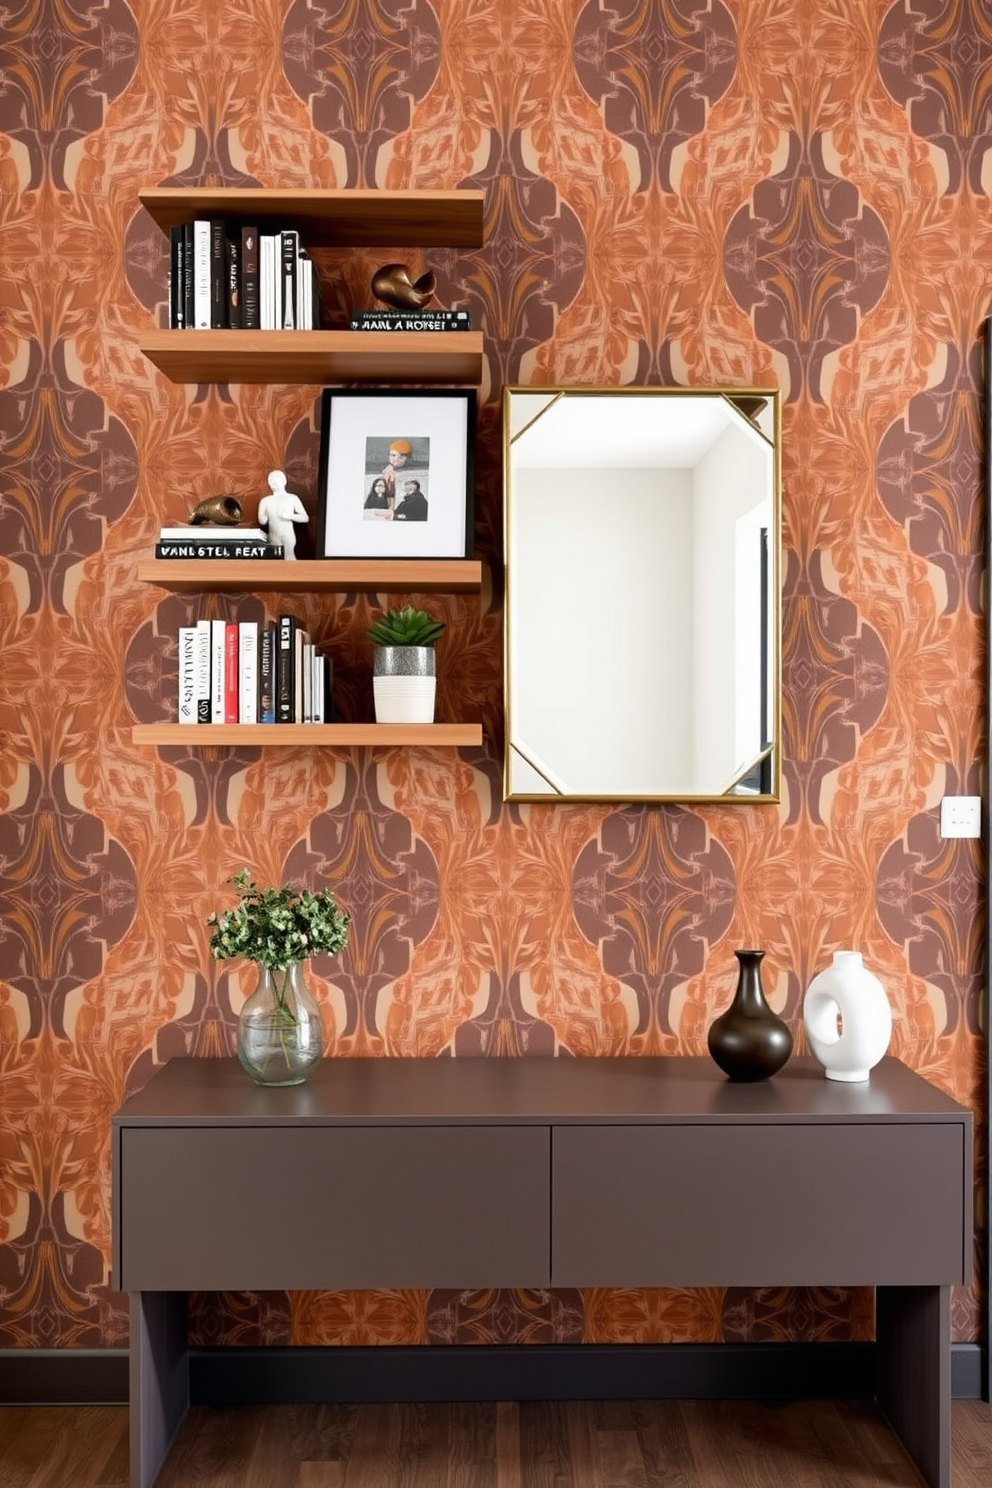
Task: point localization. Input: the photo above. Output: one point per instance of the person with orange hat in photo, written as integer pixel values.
(399, 452)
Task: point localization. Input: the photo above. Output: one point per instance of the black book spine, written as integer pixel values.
(232, 248)
(267, 675)
(218, 275)
(290, 251)
(286, 671)
(167, 548)
(176, 302)
(188, 278)
(250, 308)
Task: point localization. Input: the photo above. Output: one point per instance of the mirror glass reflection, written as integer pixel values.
(642, 548)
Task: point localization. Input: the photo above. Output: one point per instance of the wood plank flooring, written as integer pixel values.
(537, 1444)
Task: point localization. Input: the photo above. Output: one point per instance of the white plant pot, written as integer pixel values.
(404, 699)
(848, 989)
(403, 684)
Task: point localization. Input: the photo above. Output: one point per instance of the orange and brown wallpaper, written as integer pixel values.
(781, 192)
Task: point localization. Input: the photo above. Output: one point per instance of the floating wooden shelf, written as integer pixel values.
(333, 219)
(252, 575)
(322, 735)
(316, 356)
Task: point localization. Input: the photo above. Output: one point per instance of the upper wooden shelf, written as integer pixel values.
(316, 356)
(252, 575)
(333, 219)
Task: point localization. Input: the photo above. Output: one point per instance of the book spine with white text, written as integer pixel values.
(254, 550)
(218, 275)
(232, 260)
(249, 279)
(267, 675)
(289, 248)
(286, 670)
(177, 278)
(410, 320)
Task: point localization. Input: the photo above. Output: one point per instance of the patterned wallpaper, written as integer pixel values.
(691, 191)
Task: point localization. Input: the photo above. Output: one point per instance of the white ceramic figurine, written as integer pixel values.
(277, 513)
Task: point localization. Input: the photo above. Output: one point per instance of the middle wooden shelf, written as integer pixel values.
(340, 735)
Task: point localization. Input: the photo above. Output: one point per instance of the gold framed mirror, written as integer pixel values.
(643, 579)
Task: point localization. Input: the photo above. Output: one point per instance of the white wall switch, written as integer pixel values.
(961, 816)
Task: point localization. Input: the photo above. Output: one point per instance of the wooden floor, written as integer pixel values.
(600, 1444)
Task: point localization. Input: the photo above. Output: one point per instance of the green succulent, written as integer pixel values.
(406, 627)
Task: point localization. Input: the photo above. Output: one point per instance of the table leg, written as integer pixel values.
(913, 1346)
(159, 1379)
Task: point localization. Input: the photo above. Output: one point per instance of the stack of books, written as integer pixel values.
(243, 672)
(229, 276)
(410, 320)
(215, 542)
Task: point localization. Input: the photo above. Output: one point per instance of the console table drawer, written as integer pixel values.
(686, 1205)
(213, 1209)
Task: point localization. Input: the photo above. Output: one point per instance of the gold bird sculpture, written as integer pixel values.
(224, 510)
(393, 286)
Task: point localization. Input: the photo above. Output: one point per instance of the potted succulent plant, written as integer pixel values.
(403, 665)
(280, 1035)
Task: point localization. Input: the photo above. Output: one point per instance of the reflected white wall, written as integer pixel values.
(605, 700)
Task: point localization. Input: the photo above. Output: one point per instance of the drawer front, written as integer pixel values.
(225, 1209)
(758, 1206)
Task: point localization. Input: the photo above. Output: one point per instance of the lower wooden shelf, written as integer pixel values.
(321, 735)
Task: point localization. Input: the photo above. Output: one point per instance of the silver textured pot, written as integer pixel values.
(404, 683)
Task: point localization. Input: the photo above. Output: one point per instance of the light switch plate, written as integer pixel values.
(961, 816)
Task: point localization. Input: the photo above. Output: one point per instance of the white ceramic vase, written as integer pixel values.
(850, 995)
(403, 684)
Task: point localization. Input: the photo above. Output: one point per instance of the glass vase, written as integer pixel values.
(280, 1033)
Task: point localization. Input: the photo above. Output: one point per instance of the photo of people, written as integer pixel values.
(396, 479)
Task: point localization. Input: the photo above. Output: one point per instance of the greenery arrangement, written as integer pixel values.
(278, 926)
(406, 627)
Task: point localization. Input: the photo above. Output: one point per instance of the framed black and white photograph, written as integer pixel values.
(396, 473)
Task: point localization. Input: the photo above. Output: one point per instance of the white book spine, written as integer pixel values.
(307, 683)
(201, 274)
(248, 671)
(305, 294)
(302, 640)
(187, 674)
(266, 319)
(317, 712)
(218, 646)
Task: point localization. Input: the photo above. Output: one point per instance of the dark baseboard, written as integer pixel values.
(248, 1376)
(63, 1376)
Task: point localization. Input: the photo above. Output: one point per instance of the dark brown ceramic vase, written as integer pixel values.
(749, 1041)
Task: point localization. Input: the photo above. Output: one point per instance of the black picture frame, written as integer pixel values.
(418, 443)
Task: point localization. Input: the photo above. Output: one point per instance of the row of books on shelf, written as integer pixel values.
(216, 542)
(244, 672)
(229, 276)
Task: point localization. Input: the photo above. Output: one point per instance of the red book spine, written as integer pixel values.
(231, 673)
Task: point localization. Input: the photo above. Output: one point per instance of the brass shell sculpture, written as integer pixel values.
(393, 286)
(224, 510)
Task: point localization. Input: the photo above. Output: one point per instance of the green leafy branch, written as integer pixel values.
(278, 926)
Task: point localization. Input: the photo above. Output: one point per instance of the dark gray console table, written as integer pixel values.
(468, 1173)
